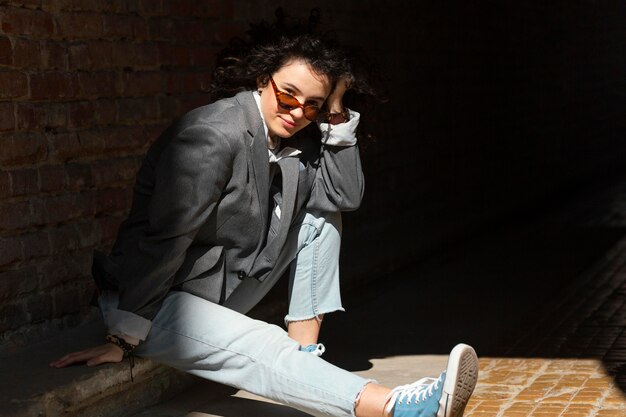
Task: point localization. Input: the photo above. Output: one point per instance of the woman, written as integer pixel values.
(228, 198)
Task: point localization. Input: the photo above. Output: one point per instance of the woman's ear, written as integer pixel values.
(261, 82)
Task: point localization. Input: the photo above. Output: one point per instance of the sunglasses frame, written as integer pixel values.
(280, 97)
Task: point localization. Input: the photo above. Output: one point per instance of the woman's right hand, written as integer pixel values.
(107, 353)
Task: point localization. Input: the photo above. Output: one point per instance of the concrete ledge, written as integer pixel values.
(29, 387)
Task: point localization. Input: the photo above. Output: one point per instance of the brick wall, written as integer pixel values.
(85, 87)
(493, 107)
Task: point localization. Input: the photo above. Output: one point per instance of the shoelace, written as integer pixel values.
(419, 390)
(315, 349)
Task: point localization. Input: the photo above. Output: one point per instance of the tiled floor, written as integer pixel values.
(545, 388)
(573, 363)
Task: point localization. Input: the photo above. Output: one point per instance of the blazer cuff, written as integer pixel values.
(126, 323)
(342, 134)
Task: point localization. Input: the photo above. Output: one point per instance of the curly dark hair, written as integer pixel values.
(268, 47)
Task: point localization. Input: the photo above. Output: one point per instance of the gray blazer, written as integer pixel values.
(201, 212)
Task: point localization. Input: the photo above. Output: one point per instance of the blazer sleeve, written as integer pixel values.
(182, 183)
(339, 182)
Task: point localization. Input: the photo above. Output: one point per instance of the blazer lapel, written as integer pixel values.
(257, 157)
(260, 166)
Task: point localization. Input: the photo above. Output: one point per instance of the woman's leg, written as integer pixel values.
(219, 344)
(314, 242)
(314, 277)
(216, 343)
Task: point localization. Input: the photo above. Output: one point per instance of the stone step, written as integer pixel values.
(30, 388)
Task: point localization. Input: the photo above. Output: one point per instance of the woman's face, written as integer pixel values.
(298, 79)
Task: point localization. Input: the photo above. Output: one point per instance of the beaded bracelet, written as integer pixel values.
(127, 348)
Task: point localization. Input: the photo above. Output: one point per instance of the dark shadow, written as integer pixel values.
(551, 285)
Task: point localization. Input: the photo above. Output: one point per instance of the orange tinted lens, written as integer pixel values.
(287, 101)
(310, 112)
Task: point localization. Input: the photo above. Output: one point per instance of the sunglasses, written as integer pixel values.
(288, 102)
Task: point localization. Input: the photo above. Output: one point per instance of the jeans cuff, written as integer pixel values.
(290, 318)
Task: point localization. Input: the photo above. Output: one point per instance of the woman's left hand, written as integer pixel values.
(334, 101)
(107, 353)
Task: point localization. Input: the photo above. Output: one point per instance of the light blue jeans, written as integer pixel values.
(220, 343)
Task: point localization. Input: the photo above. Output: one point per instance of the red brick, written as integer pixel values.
(35, 245)
(52, 178)
(55, 115)
(26, 54)
(152, 8)
(37, 116)
(78, 176)
(69, 301)
(113, 171)
(202, 56)
(92, 142)
(124, 138)
(38, 307)
(27, 22)
(91, 5)
(181, 8)
(53, 56)
(6, 51)
(190, 102)
(64, 146)
(59, 270)
(30, 4)
(66, 207)
(5, 184)
(105, 111)
(14, 216)
(17, 282)
(78, 57)
(111, 200)
(7, 116)
(53, 85)
(225, 31)
(118, 26)
(215, 9)
(181, 56)
(81, 114)
(24, 182)
(28, 118)
(14, 84)
(98, 84)
(10, 250)
(188, 82)
(80, 25)
(191, 31)
(165, 53)
(89, 234)
(142, 83)
(12, 315)
(123, 55)
(147, 56)
(109, 227)
(22, 149)
(101, 54)
(132, 110)
(162, 29)
(64, 239)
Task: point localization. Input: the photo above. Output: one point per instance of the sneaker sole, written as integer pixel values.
(461, 377)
